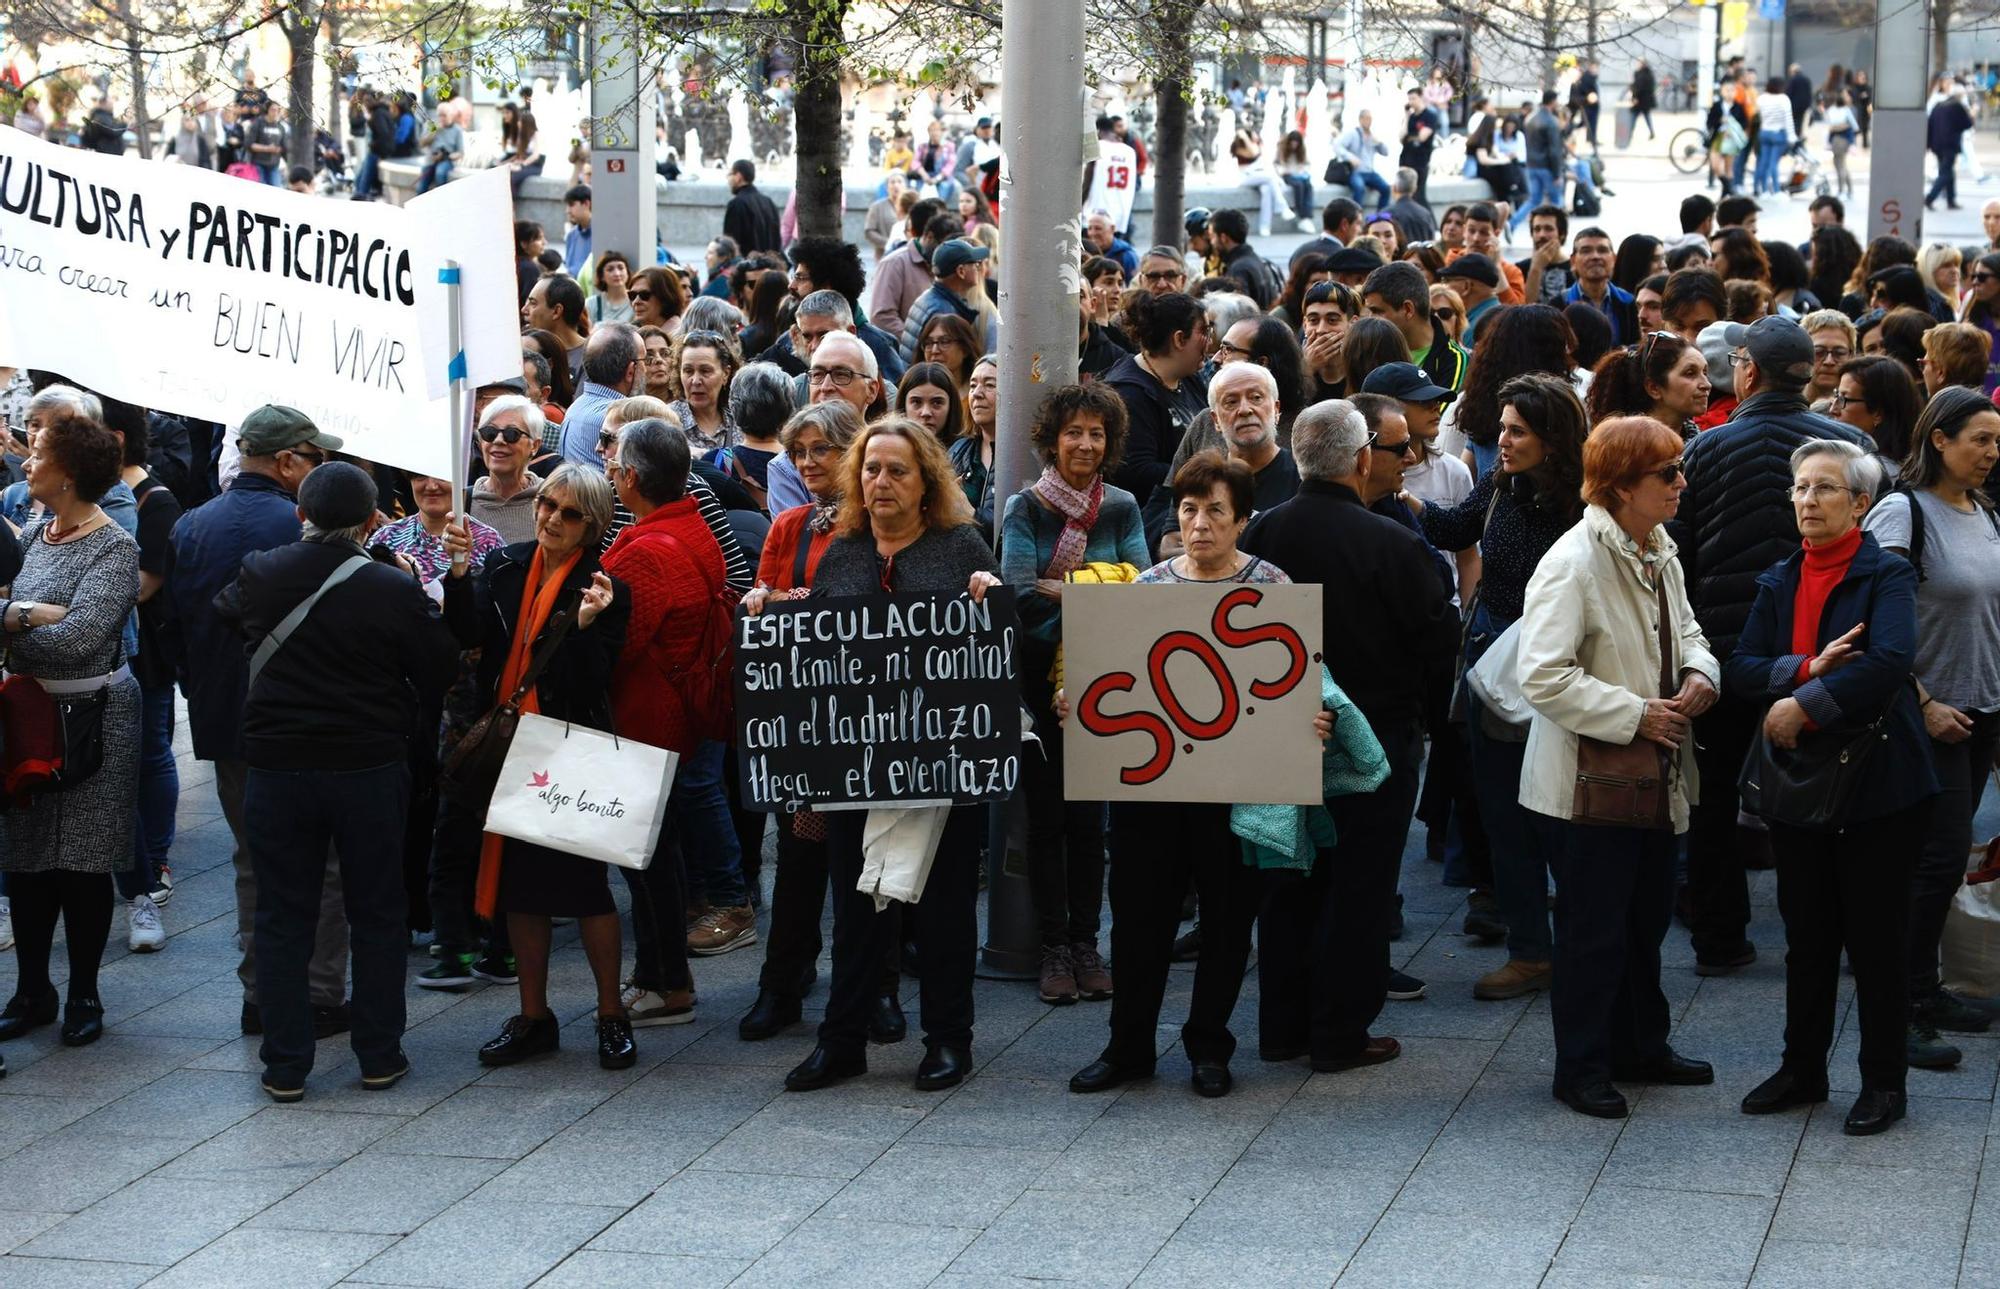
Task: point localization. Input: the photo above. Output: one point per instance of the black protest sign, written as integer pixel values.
(876, 699)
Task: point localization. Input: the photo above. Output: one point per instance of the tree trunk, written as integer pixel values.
(1551, 32)
(135, 65)
(1170, 105)
(335, 118)
(1942, 13)
(816, 116)
(302, 38)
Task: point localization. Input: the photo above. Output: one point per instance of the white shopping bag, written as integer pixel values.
(582, 792)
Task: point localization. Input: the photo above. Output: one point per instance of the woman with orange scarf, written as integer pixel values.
(524, 594)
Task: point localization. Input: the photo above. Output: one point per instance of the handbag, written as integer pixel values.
(1625, 785)
(473, 768)
(54, 736)
(1811, 786)
(1339, 171)
(581, 791)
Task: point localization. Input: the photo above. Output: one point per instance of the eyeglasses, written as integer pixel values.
(1226, 351)
(1831, 354)
(1817, 491)
(1839, 401)
(838, 377)
(1984, 277)
(936, 342)
(1397, 449)
(1668, 473)
(488, 433)
(606, 438)
(570, 514)
(640, 293)
(315, 458)
(817, 452)
(1737, 360)
(1175, 275)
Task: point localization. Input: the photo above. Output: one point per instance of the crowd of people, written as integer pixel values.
(1629, 548)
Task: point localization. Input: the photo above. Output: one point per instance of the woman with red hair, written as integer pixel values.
(1605, 602)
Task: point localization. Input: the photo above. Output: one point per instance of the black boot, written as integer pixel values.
(824, 1069)
(770, 1016)
(944, 1066)
(887, 1024)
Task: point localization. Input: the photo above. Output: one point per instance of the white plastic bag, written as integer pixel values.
(582, 792)
(1970, 951)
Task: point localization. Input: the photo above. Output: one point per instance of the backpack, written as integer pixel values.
(707, 685)
(1586, 206)
(1916, 556)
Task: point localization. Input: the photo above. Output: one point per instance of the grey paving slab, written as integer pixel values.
(820, 1134)
(17, 1227)
(66, 1273)
(1414, 1248)
(494, 1122)
(377, 1192)
(1094, 1239)
(183, 1105)
(1267, 1225)
(25, 1120)
(592, 1269)
(1676, 1235)
(930, 1183)
(69, 1170)
(1711, 1147)
(158, 1219)
(1029, 1114)
(109, 1068)
(607, 1164)
(252, 1259)
(1182, 1153)
(1903, 1208)
(286, 1141)
(1797, 1264)
(1940, 1133)
(733, 1216)
(883, 1254)
(487, 1245)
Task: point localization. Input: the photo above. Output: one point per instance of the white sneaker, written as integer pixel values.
(147, 933)
(6, 924)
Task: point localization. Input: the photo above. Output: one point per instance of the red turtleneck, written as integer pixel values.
(1822, 570)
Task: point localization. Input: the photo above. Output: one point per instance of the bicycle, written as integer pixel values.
(1688, 150)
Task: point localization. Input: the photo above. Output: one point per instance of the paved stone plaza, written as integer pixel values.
(154, 1158)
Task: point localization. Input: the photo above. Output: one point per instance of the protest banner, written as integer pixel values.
(876, 699)
(1192, 693)
(197, 293)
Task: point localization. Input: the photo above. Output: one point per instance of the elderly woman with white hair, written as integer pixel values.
(523, 594)
(1829, 646)
(508, 438)
(760, 402)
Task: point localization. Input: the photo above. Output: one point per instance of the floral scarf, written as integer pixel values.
(1079, 511)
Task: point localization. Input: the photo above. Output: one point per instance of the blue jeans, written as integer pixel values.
(1771, 145)
(1544, 188)
(1362, 182)
(707, 832)
(434, 175)
(290, 817)
(367, 179)
(159, 791)
(273, 175)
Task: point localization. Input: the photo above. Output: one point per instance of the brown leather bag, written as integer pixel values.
(1626, 785)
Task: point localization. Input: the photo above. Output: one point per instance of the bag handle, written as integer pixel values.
(1667, 687)
(544, 654)
(269, 646)
(804, 551)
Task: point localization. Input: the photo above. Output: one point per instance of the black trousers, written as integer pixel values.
(291, 817)
(947, 933)
(1961, 770)
(1615, 900)
(1323, 962)
(1718, 886)
(1065, 838)
(454, 872)
(1848, 890)
(1156, 848)
(659, 916)
(798, 900)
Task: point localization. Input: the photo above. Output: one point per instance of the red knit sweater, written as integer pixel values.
(1822, 570)
(673, 566)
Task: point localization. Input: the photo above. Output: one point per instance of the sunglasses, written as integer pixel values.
(1668, 473)
(640, 293)
(1984, 277)
(570, 514)
(489, 433)
(1396, 449)
(1653, 338)
(606, 438)
(1446, 314)
(1174, 275)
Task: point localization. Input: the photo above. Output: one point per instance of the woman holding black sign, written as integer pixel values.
(550, 589)
(1065, 520)
(903, 527)
(1829, 646)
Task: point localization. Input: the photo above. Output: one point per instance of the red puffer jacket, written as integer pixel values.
(673, 566)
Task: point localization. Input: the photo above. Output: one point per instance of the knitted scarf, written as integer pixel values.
(1079, 511)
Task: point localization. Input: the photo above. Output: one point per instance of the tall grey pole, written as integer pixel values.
(624, 205)
(1896, 139)
(1042, 125)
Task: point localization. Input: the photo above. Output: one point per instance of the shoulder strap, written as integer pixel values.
(804, 551)
(1667, 687)
(269, 646)
(1916, 531)
(545, 652)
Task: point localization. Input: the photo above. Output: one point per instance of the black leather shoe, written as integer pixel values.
(1782, 1091)
(1213, 1079)
(520, 1038)
(1673, 1068)
(1874, 1111)
(944, 1066)
(23, 1014)
(824, 1069)
(1596, 1098)
(771, 1016)
(83, 1022)
(615, 1048)
(887, 1024)
(1102, 1075)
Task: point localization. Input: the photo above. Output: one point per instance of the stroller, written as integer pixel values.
(1801, 171)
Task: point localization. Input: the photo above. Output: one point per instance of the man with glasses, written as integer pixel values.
(844, 368)
(258, 511)
(1832, 344)
(1161, 270)
(510, 430)
(958, 285)
(1733, 524)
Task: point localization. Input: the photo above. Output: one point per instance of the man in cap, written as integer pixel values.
(325, 723)
(1730, 528)
(258, 511)
(1351, 265)
(1477, 282)
(958, 285)
(1201, 246)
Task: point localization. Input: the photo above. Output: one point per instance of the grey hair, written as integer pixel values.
(868, 363)
(611, 351)
(760, 400)
(1864, 473)
(836, 420)
(589, 491)
(1227, 308)
(357, 535)
(1327, 439)
(68, 398)
(1405, 181)
(658, 456)
(712, 313)
(1232, 371)
(827, 304)
(537, 422)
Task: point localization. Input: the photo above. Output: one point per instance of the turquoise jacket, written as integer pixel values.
(1280, 836)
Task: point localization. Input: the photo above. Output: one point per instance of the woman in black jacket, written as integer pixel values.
(1844, 878)
(519, 597)
(1160, 387)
